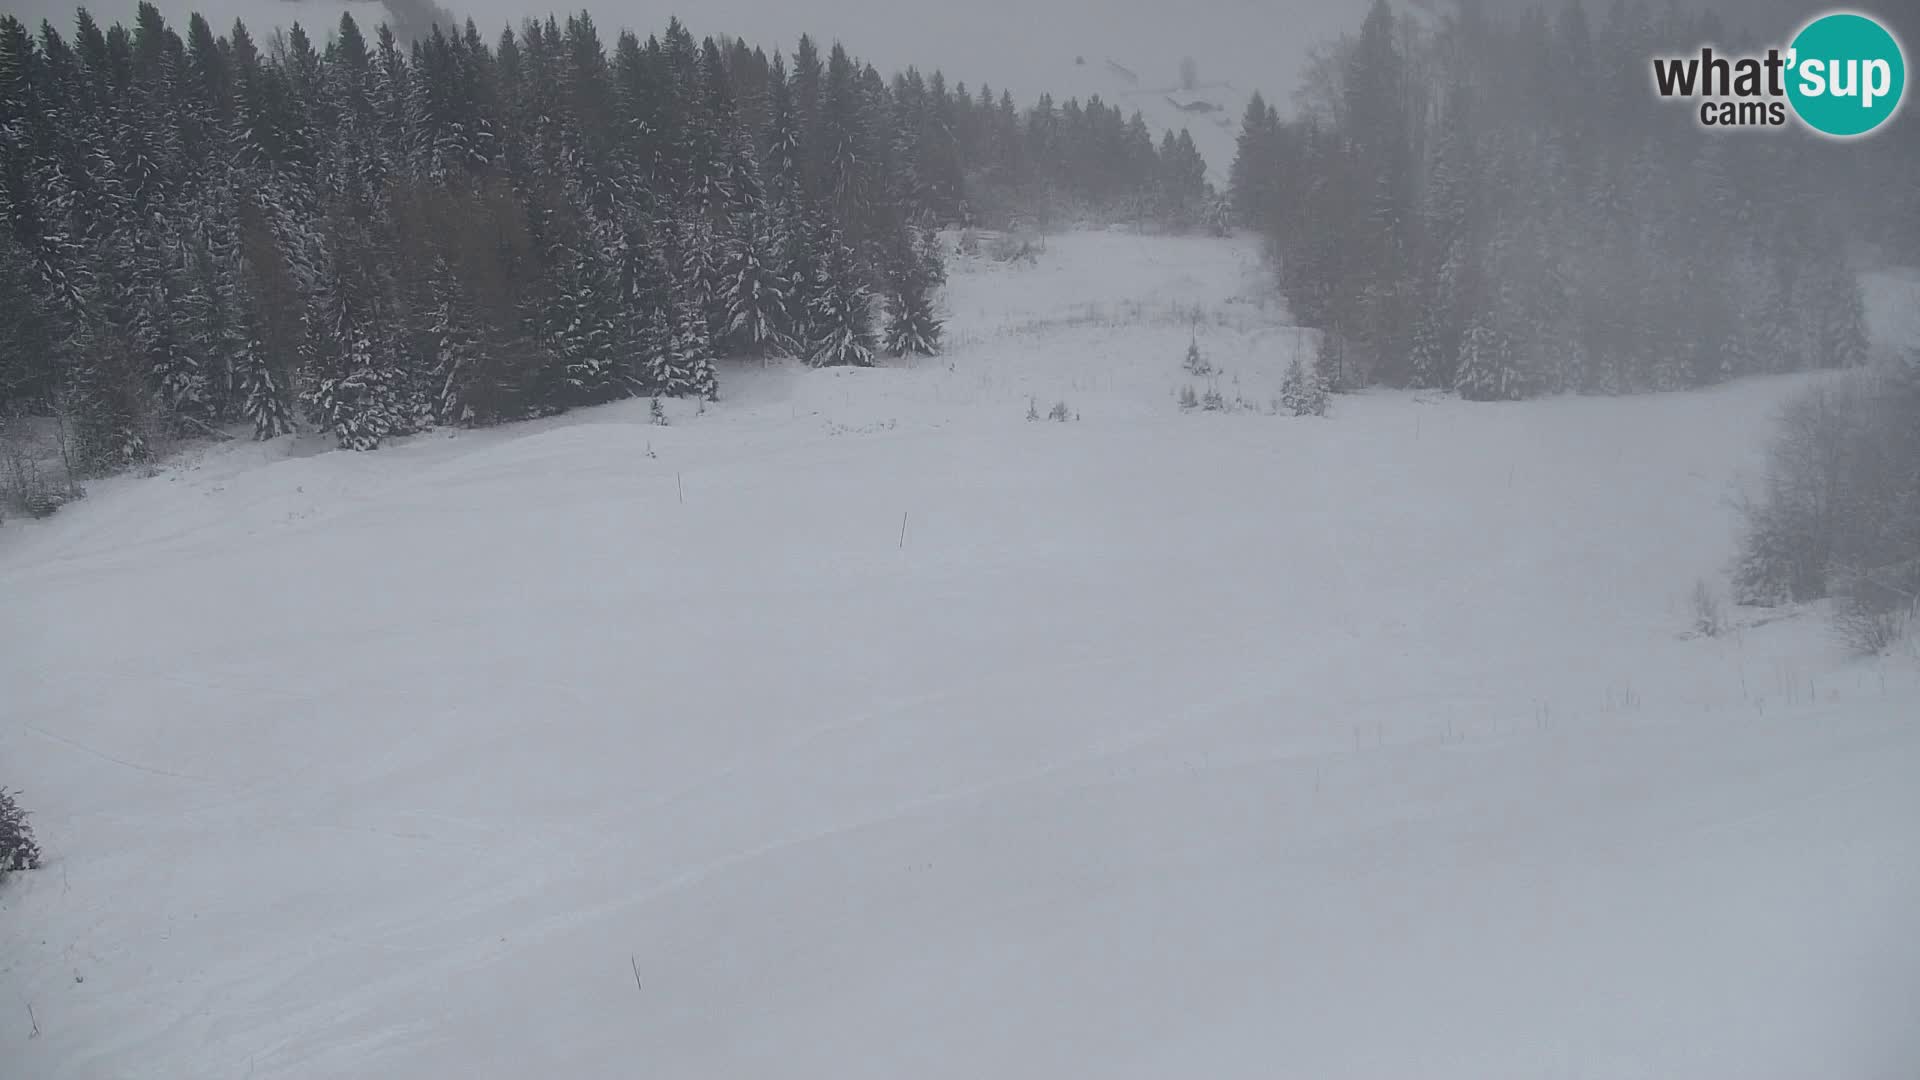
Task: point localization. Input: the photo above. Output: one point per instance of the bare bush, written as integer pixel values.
(1793, 526)
(1014, 248)
(1875, 609)
(1709, 614)
(1838, 511)
(35, 477)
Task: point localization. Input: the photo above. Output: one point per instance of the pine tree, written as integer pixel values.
(756, 291)
(685, 368)
(806, 238)
(1834, 315)
(166, 312)
(1304, 389)
(913, 326)
(1251, 179)
(842, 315)
(785, 154)
(263, 402)
(702, 272)
(1486, 370)
(360, 398)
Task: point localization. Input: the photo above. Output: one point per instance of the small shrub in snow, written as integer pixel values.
(657, 413)
(1033, 410)
(17, 848)
(1060, 413)
(1873, 611)
(1188, 399)
(1213, 401)
(1195, 364)
(1015, 248)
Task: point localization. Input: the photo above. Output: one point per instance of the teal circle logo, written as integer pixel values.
(1847, 75)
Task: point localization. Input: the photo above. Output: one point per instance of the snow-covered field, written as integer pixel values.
(1156, 744)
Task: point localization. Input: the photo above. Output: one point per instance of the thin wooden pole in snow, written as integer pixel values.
(903, 530)
(679, 488)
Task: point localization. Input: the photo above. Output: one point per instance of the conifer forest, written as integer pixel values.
(374, 236)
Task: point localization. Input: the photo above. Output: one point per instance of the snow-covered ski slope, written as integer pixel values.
(1163, 745)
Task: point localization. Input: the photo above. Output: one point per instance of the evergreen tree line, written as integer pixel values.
(376, 237)
(1505, 209)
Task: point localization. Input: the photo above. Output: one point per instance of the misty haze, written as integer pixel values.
(881, 539)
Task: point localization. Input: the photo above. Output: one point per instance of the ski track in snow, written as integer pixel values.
(1167, 744)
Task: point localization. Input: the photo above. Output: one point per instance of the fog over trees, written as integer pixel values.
(1500, 206)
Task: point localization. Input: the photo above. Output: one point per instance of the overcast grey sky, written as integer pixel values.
(1028, 46)
(1025, 45)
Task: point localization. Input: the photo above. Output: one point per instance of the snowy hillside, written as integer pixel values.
(860, 727)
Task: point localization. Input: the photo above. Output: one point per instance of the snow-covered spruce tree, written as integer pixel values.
(166, 317)
(34, 338)
(361, 399)
(1486, 369)
(354, 375)
(582, 329)
(262, 400)
(214, 322)
(756, 291)
(805, 238)
(685, 368)
(913, 325)
(1425, 361)
(703, 273)
(1303, 390)
(646, 303)
(458, 351)
(1835, 317)
(18, 851)
(842, 321)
